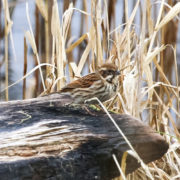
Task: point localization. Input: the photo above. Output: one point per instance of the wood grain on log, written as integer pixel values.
(46, 138)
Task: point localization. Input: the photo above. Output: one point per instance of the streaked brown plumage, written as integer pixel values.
(101, 84)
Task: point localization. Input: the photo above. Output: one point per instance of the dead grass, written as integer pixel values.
(147, 89)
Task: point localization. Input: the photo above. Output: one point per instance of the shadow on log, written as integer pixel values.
(45, 138)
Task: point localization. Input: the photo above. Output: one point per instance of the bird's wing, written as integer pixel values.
(84, 82)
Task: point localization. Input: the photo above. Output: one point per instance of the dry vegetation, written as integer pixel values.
(148, 59)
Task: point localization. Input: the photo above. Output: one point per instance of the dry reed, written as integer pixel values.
(147, 90)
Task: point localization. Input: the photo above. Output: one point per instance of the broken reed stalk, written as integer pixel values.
(6, 47)
(177, 82)
(161, 91)
(150, 32)
(70, 57)
(56, 30)
(30, 36)
(128, 30)
(46, 35)
(37, 28)
(97, 26)
(80, 33)
(25, 68)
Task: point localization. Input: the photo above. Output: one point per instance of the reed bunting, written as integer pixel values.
(101, 84)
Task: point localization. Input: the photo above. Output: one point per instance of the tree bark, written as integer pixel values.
(48, 138)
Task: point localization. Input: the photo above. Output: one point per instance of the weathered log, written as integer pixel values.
(46, 138)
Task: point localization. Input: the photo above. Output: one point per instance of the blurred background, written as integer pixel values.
(80, 24)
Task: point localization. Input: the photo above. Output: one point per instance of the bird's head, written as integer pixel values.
(109, 72)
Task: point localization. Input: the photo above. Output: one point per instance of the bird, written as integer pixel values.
(101, 84)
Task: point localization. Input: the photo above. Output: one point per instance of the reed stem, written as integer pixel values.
(6, 49)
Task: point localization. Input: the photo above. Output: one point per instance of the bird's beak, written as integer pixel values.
(117, 72)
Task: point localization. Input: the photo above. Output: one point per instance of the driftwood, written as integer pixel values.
(45, 138)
